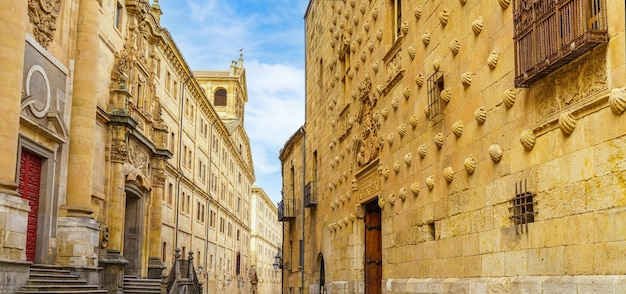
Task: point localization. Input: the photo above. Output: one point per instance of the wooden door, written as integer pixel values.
(373, 249)
(29, 185)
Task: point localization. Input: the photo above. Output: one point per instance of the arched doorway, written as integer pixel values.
(321, 272)
(133, 228)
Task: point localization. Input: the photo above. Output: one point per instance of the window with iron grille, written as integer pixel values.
(549, 34)
(523, 207)
(435, 86)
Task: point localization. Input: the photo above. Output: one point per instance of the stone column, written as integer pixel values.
(113, 261)
(155, 264)
(13, 209)
(83, 119)
(78, 233)
(13, 19)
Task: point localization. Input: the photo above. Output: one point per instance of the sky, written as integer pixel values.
(210, 33)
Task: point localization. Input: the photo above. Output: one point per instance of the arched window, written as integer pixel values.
(220, 98)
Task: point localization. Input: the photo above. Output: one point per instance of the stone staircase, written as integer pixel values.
(53, 279)
(133, 285)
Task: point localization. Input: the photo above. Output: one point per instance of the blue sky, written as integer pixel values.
(271, 32)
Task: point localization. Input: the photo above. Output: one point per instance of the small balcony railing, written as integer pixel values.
(550, 34)
(310, 194)
(286, 210)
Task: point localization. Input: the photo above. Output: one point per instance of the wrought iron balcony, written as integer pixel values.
(286, 210)
(310, 194)
(550, 34)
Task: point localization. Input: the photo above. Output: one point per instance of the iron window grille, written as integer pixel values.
(523, 207)
(435, 87)
(310, 194)
(549, 34)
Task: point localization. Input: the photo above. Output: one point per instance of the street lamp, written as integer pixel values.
(200, 269)
(278, 263)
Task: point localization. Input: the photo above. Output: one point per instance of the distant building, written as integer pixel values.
(264, 244)
(114, 155)
(458, 146)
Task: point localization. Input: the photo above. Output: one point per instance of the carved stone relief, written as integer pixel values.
(43, 15)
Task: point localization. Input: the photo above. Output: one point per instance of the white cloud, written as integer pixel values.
(274, 112)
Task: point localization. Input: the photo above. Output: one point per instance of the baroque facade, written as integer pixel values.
(113, 154)
(266, 235)
(459, 146)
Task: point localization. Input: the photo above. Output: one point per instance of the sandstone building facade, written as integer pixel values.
(459, 146)
(266, 236)
(114, 153)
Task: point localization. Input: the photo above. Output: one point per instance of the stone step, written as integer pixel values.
(133, 285)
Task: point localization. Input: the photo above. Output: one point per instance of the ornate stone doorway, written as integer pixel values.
(133, 228)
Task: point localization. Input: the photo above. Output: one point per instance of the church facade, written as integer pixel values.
(458, 146)
(113, 153)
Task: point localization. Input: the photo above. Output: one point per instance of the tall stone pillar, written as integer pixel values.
(155, 265)
(13, 209)
(78, 232)
(13, 18)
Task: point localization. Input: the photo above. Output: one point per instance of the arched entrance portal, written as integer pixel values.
(321, 272)
(133, 228)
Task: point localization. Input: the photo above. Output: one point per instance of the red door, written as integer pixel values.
(373, 249)
(29, 184)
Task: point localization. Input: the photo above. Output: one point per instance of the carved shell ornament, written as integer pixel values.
(363, 56)
(455, 46)
(375, 13)
(392, 199)
(495, 152)
(504, 3)
(357, 65)
(355, 21)
(492, 60)
(419, 80)
(401, 130)
(462, 2)
(448, 174)
(359, 38)
(477, 25)
(352, 3)
(390, 139)
(439, 139)
(402, 194)
(408, 159)
(436, 64)
(354, 94)
(412, 50)
(446, 95)
(413, 121)
(466, 79)
(509, 96)
(381, 202)
(444, 15)
(427, 111)
(617, 100)
(404, 27)
(379, 34)
(421, 150)
(470, 165)
(527, 139)
(415, 189)
(406, 93)
(417, 12)
(426, 38)
(362, 8)
(366, 26)
(394, 103)
(353, 47)
(430, 182)
(396, 166)
(385, 173)
(370, 45)
(375, 67)
(457, 128)
(480, 115)
(567, 123)
(342, 24)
